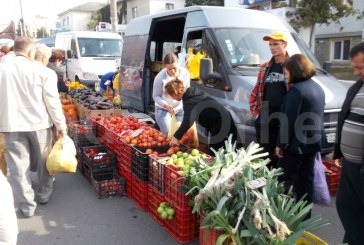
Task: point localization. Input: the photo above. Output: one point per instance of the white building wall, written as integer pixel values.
(80, 20)
(157, 6)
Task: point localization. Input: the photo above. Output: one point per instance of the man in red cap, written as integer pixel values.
(267, 95)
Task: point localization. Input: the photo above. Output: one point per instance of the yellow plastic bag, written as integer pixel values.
(62, 158)
(115, 83)
(194, 65)
(190, 138)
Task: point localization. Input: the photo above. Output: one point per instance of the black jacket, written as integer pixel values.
(301, 121)
(353, 90)
(62, 87)
(200, 107)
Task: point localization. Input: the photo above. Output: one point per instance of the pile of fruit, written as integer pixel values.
(166, 211)
(75, 85)
(186, 161)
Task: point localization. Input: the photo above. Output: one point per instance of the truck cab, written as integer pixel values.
(232, 39)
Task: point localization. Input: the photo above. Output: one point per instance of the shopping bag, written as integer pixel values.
(321, 193)
(190, 138)
(62, 158)
(194, 66)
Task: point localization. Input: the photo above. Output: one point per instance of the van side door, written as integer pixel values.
(72, 60)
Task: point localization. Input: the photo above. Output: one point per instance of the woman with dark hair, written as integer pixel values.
(165, 106)
(200, 107)
(55, 62)
(301, 132)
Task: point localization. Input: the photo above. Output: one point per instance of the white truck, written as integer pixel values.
(89, 54)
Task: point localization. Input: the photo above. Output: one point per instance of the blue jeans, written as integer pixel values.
(163, 118)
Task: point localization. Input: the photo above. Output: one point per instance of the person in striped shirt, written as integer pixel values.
(349, 152)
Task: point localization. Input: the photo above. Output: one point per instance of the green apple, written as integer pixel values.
(195, 152)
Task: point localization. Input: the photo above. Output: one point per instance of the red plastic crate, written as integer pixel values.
(107, 185)
(79, 130)
(332, 177)
(184, 227)
(173, 195)
(124, 153)
(154, 200)
(140, 193)
(125, 173)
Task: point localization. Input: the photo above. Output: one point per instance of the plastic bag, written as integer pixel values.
(62, 158)
(321, 193)
(190, 138)
(194, 66)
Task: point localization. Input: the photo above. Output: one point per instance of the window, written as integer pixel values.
(134, 12)
(169, 6)
(341, 49)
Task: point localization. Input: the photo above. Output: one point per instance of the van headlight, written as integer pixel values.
(90, 76)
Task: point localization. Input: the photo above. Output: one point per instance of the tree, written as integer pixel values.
(204, 2)
(42, 32)
(96, 17)
(312, 12)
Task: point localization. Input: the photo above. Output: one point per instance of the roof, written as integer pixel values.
(86, 7)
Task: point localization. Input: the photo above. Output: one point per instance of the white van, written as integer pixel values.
(89, 54)
(233, 39)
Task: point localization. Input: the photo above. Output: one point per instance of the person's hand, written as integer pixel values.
(173, 141)
(169, 108)
(338, 162)
(61, 133)
(279, 152)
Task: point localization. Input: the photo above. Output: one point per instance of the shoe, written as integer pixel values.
(42, 203)
(54, 179)
(27, 214)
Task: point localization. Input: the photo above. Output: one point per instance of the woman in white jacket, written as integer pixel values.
(165, 105)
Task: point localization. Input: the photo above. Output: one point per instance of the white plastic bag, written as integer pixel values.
(62, 158)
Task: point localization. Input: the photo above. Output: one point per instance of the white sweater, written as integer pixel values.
(29, 97)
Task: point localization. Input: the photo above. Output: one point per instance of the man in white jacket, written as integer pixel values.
(30, 108)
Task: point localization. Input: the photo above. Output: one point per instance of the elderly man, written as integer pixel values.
(30, 108)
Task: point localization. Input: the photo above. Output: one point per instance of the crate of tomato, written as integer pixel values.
(108, 184)
(98, 157)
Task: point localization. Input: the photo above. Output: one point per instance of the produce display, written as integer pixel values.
(69, 110)
(242, 199)
(75, 85)
(90, 99)
(166, 211)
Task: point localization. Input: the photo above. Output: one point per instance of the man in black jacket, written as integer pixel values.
(349, 151)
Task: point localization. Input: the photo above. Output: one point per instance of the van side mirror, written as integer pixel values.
(327, 66)
(206, 70)
(71, 54)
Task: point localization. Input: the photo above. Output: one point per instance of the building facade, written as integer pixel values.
(333, 42)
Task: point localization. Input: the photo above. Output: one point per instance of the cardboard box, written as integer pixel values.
(87, 113)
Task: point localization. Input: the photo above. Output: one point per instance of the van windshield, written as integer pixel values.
(245, 47)
(99, 47)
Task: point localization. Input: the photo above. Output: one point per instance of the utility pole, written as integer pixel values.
(22, 29)
(113, 16)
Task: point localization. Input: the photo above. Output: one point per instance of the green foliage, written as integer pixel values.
(204, 2)
(311, 12)
(243, 214)
(96, 17)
